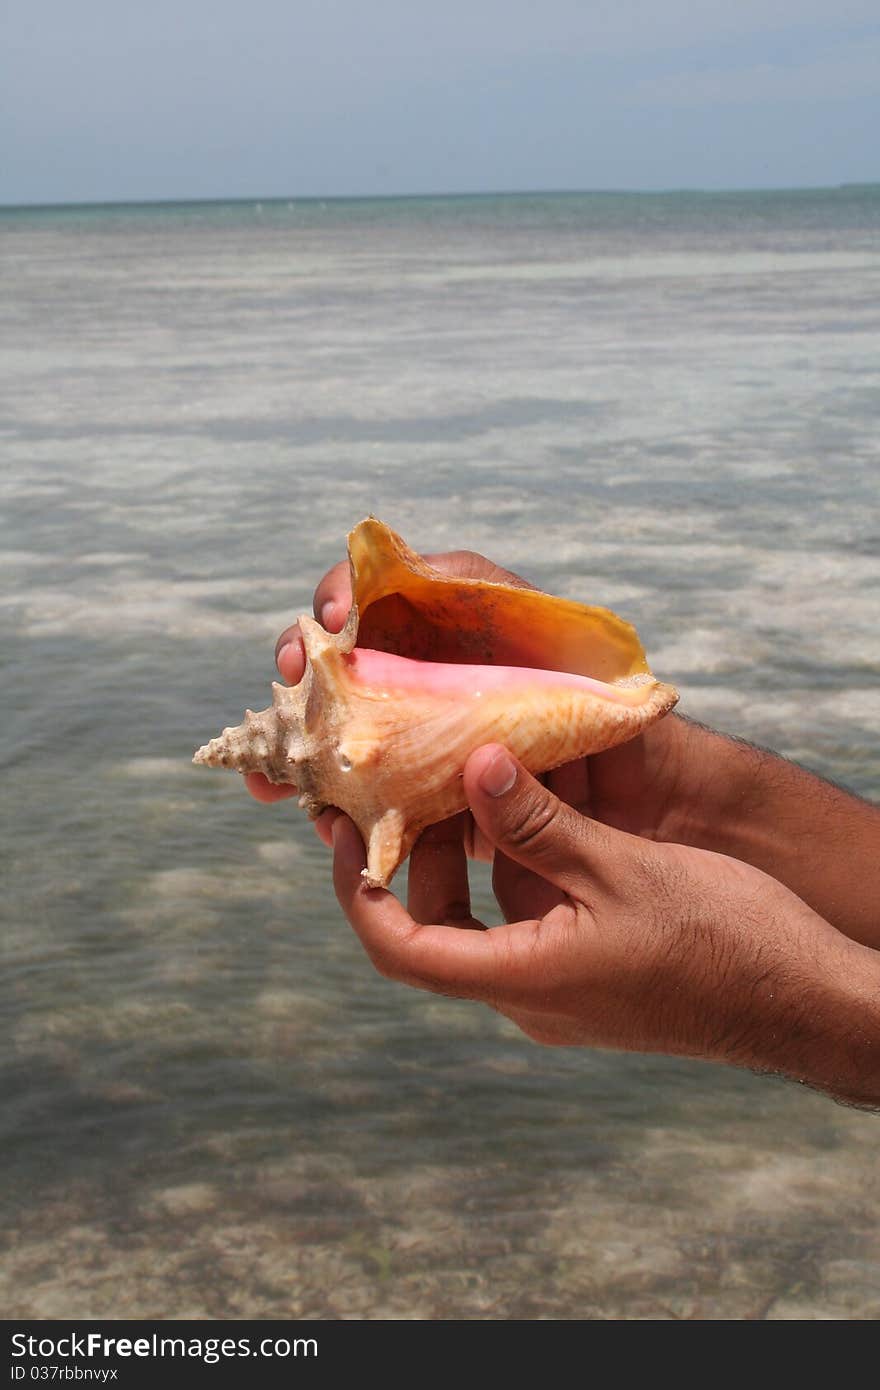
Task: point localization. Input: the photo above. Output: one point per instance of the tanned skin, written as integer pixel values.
(685, 893)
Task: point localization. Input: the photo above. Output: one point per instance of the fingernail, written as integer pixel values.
(499, 775)
(290, 659)
(327, 615)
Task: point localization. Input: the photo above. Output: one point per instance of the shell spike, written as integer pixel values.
(387, 847)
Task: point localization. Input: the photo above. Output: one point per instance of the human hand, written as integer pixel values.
(626, 944)
(678, 783)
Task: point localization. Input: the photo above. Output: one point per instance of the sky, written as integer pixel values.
(129, 100)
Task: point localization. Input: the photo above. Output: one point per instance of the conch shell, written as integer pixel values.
(427, 668)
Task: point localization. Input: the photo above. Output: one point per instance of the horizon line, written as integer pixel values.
(448, 194)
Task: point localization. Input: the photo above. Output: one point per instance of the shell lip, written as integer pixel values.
(404, 605)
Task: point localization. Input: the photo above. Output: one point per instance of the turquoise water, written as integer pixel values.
(668, 404)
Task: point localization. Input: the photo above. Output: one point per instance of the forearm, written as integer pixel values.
(820, 841)
(818, 1021)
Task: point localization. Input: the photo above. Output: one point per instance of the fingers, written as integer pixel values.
(438, 958)
(323, 826)
(571, 783)
(476, 846)
(290, 655)
(263, 790)
(438, 876)
(520, 892)
(531, 826)
(332, 599)
(469, 564)
(331, 604)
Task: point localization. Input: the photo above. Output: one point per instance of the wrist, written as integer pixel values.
(821, 841)
(816, 1019)
(715, 786)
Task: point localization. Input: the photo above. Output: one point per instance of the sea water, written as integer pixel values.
(667, 404)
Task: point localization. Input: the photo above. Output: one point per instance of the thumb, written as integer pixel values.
(530, 825)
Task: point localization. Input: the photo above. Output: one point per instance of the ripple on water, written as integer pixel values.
(213, 1107)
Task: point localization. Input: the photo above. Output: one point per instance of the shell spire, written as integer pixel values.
(389, 710)
(255, 745)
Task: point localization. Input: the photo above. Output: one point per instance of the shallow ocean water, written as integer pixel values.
(213, 1108)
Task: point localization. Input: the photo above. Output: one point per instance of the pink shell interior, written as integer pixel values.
(388, 672)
